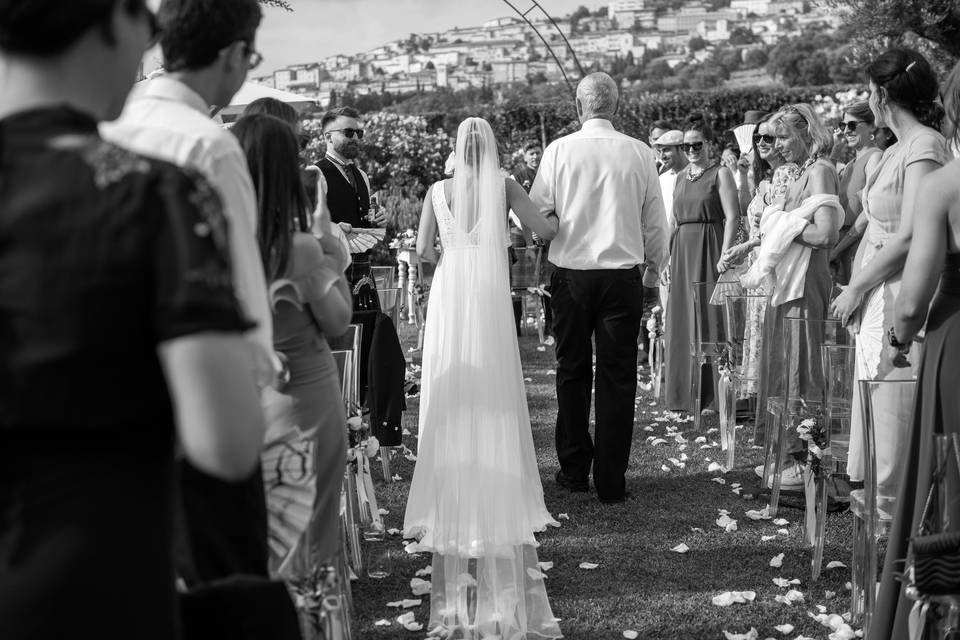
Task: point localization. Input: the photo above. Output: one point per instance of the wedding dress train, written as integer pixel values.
(476, 498)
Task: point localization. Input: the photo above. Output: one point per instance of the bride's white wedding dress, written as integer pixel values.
(476, 498)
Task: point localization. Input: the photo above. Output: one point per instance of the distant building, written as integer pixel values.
(298, 78)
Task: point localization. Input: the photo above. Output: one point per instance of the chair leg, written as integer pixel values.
(385, 453)
(353, 527)
(695, 379)
(780, 451)
(857, 571)
(819, 525)
(728, 418)
(870, 573)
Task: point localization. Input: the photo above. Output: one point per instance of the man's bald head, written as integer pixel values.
(597, 96)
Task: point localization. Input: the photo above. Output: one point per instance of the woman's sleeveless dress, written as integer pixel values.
(935, 411)
(476, 498)
(694, 254)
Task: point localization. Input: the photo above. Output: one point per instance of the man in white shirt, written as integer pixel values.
(669, 147)
(208, 48)
(603, 185)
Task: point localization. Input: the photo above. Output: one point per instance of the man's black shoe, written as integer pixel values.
(616, 500)
(573, 486)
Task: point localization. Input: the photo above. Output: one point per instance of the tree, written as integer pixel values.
(742, 35)
(877, 24)
(755, 58)
(696, 44)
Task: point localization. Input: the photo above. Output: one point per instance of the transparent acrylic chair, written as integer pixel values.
(709, 344)
(524, 284)
(873, 506)
(384, 277)
(744, 342)
(797, 393)
(349, 503)
(839, 376)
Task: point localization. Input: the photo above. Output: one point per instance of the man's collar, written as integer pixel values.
(597, 123)
(337, 158)
(166, 88)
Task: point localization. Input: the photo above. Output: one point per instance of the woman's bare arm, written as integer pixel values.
(517, 199)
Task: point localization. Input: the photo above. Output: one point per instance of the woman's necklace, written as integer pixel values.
(693, 177)
(806, 165)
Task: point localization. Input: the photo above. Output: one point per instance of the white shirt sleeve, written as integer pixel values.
(542, 192)
(653, 221)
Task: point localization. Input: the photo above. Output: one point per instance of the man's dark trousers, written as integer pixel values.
(606, 304)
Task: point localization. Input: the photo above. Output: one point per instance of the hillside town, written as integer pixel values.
(509, 50)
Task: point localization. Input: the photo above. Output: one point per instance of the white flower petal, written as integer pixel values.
(545, 566)
(420, 587)
(714, 467)
(681, 548)
(426, 571)
(382, 623)
(780, 522)
(749, 635)
(589, 565)
(776, 561)
(784, 628)
(630, 634)
(767, 538)
(783, 532)
(719, 480)
(835, 564)
(563, 516)
(536, 574)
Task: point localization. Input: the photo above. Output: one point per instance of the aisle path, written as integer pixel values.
(640, 585)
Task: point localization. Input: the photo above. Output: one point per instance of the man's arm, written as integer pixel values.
(653, 222)
(543, 191)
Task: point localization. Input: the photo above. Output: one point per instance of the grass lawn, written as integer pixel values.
(640, 584)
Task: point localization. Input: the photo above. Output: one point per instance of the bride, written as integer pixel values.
(476, 498)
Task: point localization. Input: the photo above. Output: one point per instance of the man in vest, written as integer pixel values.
(344, 186)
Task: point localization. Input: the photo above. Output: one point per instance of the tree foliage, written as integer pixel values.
(282, 4)
(932, 26)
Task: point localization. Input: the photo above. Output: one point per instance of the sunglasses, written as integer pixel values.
(350, 133)
(850, 126)
(693, 146)
(765, 138)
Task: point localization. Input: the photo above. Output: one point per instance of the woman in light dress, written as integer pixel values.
(476, 499)
(903, 91)
(772, 175)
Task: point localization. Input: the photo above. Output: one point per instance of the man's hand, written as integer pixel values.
(346, 227)
(651, 278)
(379, 217)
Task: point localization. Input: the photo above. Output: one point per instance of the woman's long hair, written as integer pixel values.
(951, 104)
(272, 156)
(761, 168)
(801, 118)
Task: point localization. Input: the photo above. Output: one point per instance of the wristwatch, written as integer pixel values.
(896, 344)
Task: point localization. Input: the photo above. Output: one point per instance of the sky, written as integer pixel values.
(319, 28)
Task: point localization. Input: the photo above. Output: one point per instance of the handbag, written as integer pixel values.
(935, 557)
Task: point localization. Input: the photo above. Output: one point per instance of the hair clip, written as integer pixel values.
(910, 66)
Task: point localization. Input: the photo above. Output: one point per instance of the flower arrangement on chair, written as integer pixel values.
(655, 349)
(811, 430)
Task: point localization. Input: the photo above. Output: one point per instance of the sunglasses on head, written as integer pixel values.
(350, 133)
(692, 146)
(850, 126)
(766, 138)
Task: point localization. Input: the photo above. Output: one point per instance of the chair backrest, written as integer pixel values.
(525, 267)
(839, 378)
(708, 330)
(802, 378)
(390, 303)
(878, 402)
(350, 339)
(344, 360)
(383, 277)
(743, 341)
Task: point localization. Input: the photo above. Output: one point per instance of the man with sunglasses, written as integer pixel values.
(669, 148)
(345, 187)
(208, 48)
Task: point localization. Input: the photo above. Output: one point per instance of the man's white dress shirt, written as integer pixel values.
(168, 120)
(604, 187)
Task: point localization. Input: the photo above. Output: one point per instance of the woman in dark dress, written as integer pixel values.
(934, 249)
(310, 299)
(706, 213)
(119, 323)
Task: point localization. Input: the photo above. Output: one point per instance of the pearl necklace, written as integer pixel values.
(693, 177)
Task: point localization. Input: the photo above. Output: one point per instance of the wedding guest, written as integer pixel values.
(113, 349)
(208, 48)
(596, 180)
(669, 148)
(772, 176)
(659, 128)
(903, 94)
(706, 213)
(799, 291)
(276, 108)
(346, 190)
(532, 151)
(310, 299)
(858, 127)
(934, 251)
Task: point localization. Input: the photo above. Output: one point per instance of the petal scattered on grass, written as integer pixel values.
(780, 522)
(719, 480)
(790, 597)
(393, 531)
(681, 548)
(382, 623)
(726, 523)
(697, 530)
(396, 477)
(776, 561)
(657, 441)
(728, 598)
(783, 583)
(767, 538)
(420, 587)
(536, 574)
(700, 439)
(749, 635)
(783, 532)
(589, 565)
(409, 622)
(762, 514)
(784, 628)
(383, 512)
(664, 467)
(714, 466)
(563, 516)
(828, 595)
(835, 564)
(630, 634)
(426, 571)
(545, 566)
